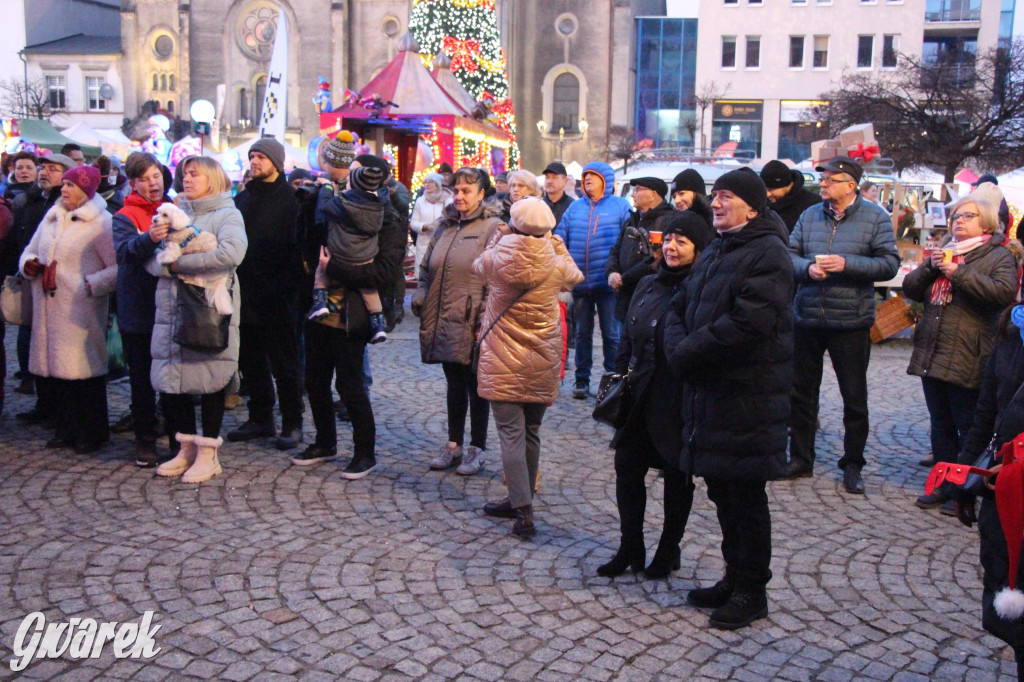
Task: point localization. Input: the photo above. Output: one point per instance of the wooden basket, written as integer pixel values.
(891, 317)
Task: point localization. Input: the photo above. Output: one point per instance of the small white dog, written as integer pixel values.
(183, 238)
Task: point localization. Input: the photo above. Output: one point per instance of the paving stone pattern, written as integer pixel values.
(278, 572)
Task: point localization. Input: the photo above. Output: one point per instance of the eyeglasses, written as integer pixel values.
(966, 216)
(834, 181)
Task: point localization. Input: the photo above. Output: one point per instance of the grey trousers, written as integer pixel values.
(519, 432)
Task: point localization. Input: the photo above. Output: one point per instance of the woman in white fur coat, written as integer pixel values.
(73, 269)
(426, 212)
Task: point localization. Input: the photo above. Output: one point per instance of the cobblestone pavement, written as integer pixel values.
(272, 571)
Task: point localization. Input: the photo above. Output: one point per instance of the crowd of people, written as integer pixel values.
(718, 309)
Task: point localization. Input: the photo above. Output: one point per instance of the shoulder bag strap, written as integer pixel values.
(495, 320)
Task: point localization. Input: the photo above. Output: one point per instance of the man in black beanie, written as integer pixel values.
(632, 256)
(840, 248)
(730, 339)
(786, 193)
(269, 279)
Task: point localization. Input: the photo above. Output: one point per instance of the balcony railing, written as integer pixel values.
(952, 10)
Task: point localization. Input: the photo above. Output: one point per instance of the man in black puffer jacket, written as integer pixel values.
(840, 248)
(729, 337)
(786, 193)
(632, 256)
(269, 279)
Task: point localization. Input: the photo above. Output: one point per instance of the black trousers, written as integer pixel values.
(267, 354)
(180, 414)
(80, 409)
(140, 361)
(746, 531)
(632, 462)
(462, 395)
(951, 412)
(330, 353)
(849, 352)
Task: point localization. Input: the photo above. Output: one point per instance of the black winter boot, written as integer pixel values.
(741, 610)
(523, 527)
(631, 555)
(711, 597)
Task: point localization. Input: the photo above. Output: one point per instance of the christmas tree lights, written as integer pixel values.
(467, 31)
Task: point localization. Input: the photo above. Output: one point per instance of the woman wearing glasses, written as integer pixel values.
(964, 286)
(449, 301)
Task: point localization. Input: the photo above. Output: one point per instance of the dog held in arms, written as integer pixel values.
(182, 239)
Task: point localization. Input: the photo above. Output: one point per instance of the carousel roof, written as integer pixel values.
(447, 80)
(407, 83)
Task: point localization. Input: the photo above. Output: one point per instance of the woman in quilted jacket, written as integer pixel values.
(964, 286)
(521, 345)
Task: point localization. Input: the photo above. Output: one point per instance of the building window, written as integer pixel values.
(565, 101)
(170, 105)
(821, 52)
(865, 51)
(731, 2)
(92, 91)
(156, 82)
(261, 91)
(753, 56)
(163, 81)
(799, 2)
(753, 2)
(890, 47)
(796, 52)
(56, 92)
(666, 70)
(728, 52)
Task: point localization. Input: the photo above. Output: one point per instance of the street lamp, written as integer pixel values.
(202, 112)
(562, 140)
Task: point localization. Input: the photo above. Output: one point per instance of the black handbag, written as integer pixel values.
(614, 400)
(198, 325)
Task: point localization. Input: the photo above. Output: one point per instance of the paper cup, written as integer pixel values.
(655, 238)
(818, 257)
(947, 255)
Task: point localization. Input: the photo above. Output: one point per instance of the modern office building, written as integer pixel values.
(770, 61)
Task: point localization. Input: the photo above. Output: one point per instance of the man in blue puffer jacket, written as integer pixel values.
(840, 248)
(590, 228)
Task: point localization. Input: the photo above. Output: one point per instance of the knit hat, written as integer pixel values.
(376, 162)
(987, 177)
(691, 181)
(367, 178)
(299, 174)
(776, 175)
(60, 159)
(657, 185)
(86, 178)
(532, 216)
(270, 148)
(340, 151)
(747, 185)
(689, 225)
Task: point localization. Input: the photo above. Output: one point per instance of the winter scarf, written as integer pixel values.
(942, 288)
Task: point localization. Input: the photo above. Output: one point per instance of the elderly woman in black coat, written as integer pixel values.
(652, 435)
(963, 286)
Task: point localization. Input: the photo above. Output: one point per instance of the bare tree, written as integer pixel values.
(27, 100)
(703, 99)
(940, 114)
(622, 144)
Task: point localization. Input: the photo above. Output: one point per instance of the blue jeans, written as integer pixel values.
(583, 308)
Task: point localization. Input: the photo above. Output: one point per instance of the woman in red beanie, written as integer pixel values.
(71, 263)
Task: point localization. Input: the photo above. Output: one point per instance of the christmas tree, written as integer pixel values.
(467, 31)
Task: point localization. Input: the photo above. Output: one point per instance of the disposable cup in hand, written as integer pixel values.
(655, 238)
(947, 255)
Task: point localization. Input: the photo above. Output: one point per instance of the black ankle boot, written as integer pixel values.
(666, 560)
(630, 556)
(523, 527)
(741, 610)
(711, 597)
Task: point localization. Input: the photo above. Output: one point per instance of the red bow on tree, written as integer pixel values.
(866, 153)
(463, 53)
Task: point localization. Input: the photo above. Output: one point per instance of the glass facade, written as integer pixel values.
(666, 68)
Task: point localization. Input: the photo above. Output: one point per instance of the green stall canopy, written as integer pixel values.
(43, 134)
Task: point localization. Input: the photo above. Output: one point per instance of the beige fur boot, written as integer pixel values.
(183, 460)
(206, 465)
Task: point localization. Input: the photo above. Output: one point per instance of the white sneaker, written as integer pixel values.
(450, 455)
(472, 463)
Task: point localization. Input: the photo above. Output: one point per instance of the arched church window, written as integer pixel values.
(565, 112)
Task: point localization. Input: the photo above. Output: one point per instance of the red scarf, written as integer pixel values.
(140, 211)
(942, 288)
